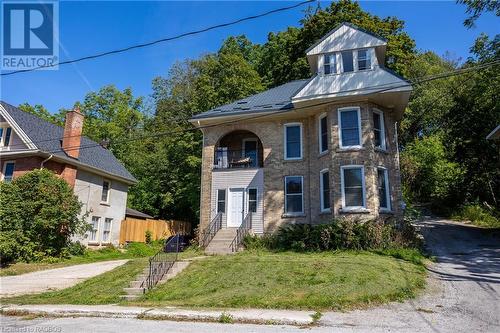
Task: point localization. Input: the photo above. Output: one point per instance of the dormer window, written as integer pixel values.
(347, 61)
(364, 61)
(330, 63)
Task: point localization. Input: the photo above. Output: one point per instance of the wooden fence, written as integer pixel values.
(134, 230)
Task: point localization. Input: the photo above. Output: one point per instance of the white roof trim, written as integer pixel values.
(24, 137)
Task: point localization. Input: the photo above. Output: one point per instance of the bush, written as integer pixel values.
(478, 215)
(38, 215)
(148, 236)
(340, 234)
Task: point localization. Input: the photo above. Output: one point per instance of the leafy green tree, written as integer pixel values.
(42, 112)
(428, 175)
(38, 216)
(476, 7)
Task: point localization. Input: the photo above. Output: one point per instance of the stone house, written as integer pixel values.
(309, 150)
(99, 180)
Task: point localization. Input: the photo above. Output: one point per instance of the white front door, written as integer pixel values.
(235, 207)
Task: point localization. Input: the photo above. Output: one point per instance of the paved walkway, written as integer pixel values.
(53, 279)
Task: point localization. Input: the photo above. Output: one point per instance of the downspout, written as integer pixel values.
(45, 160)
(309, 169)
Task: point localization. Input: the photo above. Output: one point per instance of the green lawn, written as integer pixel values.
(134, 250)
(102, 289)
(320, 281)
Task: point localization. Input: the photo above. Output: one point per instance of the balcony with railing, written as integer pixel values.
(237, 150)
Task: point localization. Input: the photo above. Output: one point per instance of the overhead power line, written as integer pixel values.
(377, 88)
(384, 87)
(163, 40)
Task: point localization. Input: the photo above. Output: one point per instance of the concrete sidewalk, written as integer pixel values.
(257, 316)
(53, 279)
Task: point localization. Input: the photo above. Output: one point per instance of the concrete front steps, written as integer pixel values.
(221, 242)
(134, 291)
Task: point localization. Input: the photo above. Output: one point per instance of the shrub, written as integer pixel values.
(478, 215)
(38, 215)
(340, 234)
(149, 236)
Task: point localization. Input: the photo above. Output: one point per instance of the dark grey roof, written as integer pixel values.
(91, 153)
(338, 27)
(274, 99)
(135, 213)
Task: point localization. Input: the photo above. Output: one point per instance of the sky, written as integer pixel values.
(93, 26)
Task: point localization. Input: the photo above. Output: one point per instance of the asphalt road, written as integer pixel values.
(463, 296)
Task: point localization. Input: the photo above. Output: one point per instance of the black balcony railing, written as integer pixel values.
(232, 159)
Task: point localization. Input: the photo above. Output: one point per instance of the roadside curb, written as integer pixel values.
(253, 316)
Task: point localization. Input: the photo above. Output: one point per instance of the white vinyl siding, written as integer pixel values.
(293, 141)
(349, 127)
(379, 130)
(244, 178)
(353, 187)
(324, 188)
(384, 196)
(294, 195)
(323, 133)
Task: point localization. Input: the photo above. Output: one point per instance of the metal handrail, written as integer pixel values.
(211, 230)
(241, 232)
(161, 263)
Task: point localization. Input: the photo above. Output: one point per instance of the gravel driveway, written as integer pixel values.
(463, 293)
(53, 279)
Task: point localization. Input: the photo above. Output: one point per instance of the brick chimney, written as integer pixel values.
(72, 137)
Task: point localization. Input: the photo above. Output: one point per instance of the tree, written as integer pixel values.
(476, 7)
(42, 112)
(38, 216)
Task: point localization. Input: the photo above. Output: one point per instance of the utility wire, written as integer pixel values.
(162, 40)
(379, 88)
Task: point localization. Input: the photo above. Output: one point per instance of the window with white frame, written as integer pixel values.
(8, 171)
(252, 200)
(350, 127)
(294, 196)
(105, 190)
(353, 187)
(106, 230)
(329, 63)
(221, 201)
(323, 133)
(379, 130)
(324, 185)
(347, 61)
(383, 189)
(94, 225)
(364, 60)
(5, 135)
(293, 141)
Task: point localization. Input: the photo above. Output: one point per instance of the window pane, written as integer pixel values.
(376, 120)
(382, 193)
(353, 187)
(364, 60)
(294, 204)
(221, 201)
(293, 141)
(324, 134)
(353, 178)
(293, 185)
(350, 128)
(325, 183)
(353, 197)
(327, 69)
(252, 200)
(1, 135)
(7, 136)
(347, 61)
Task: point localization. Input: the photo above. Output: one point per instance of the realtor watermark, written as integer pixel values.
(30, 35)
